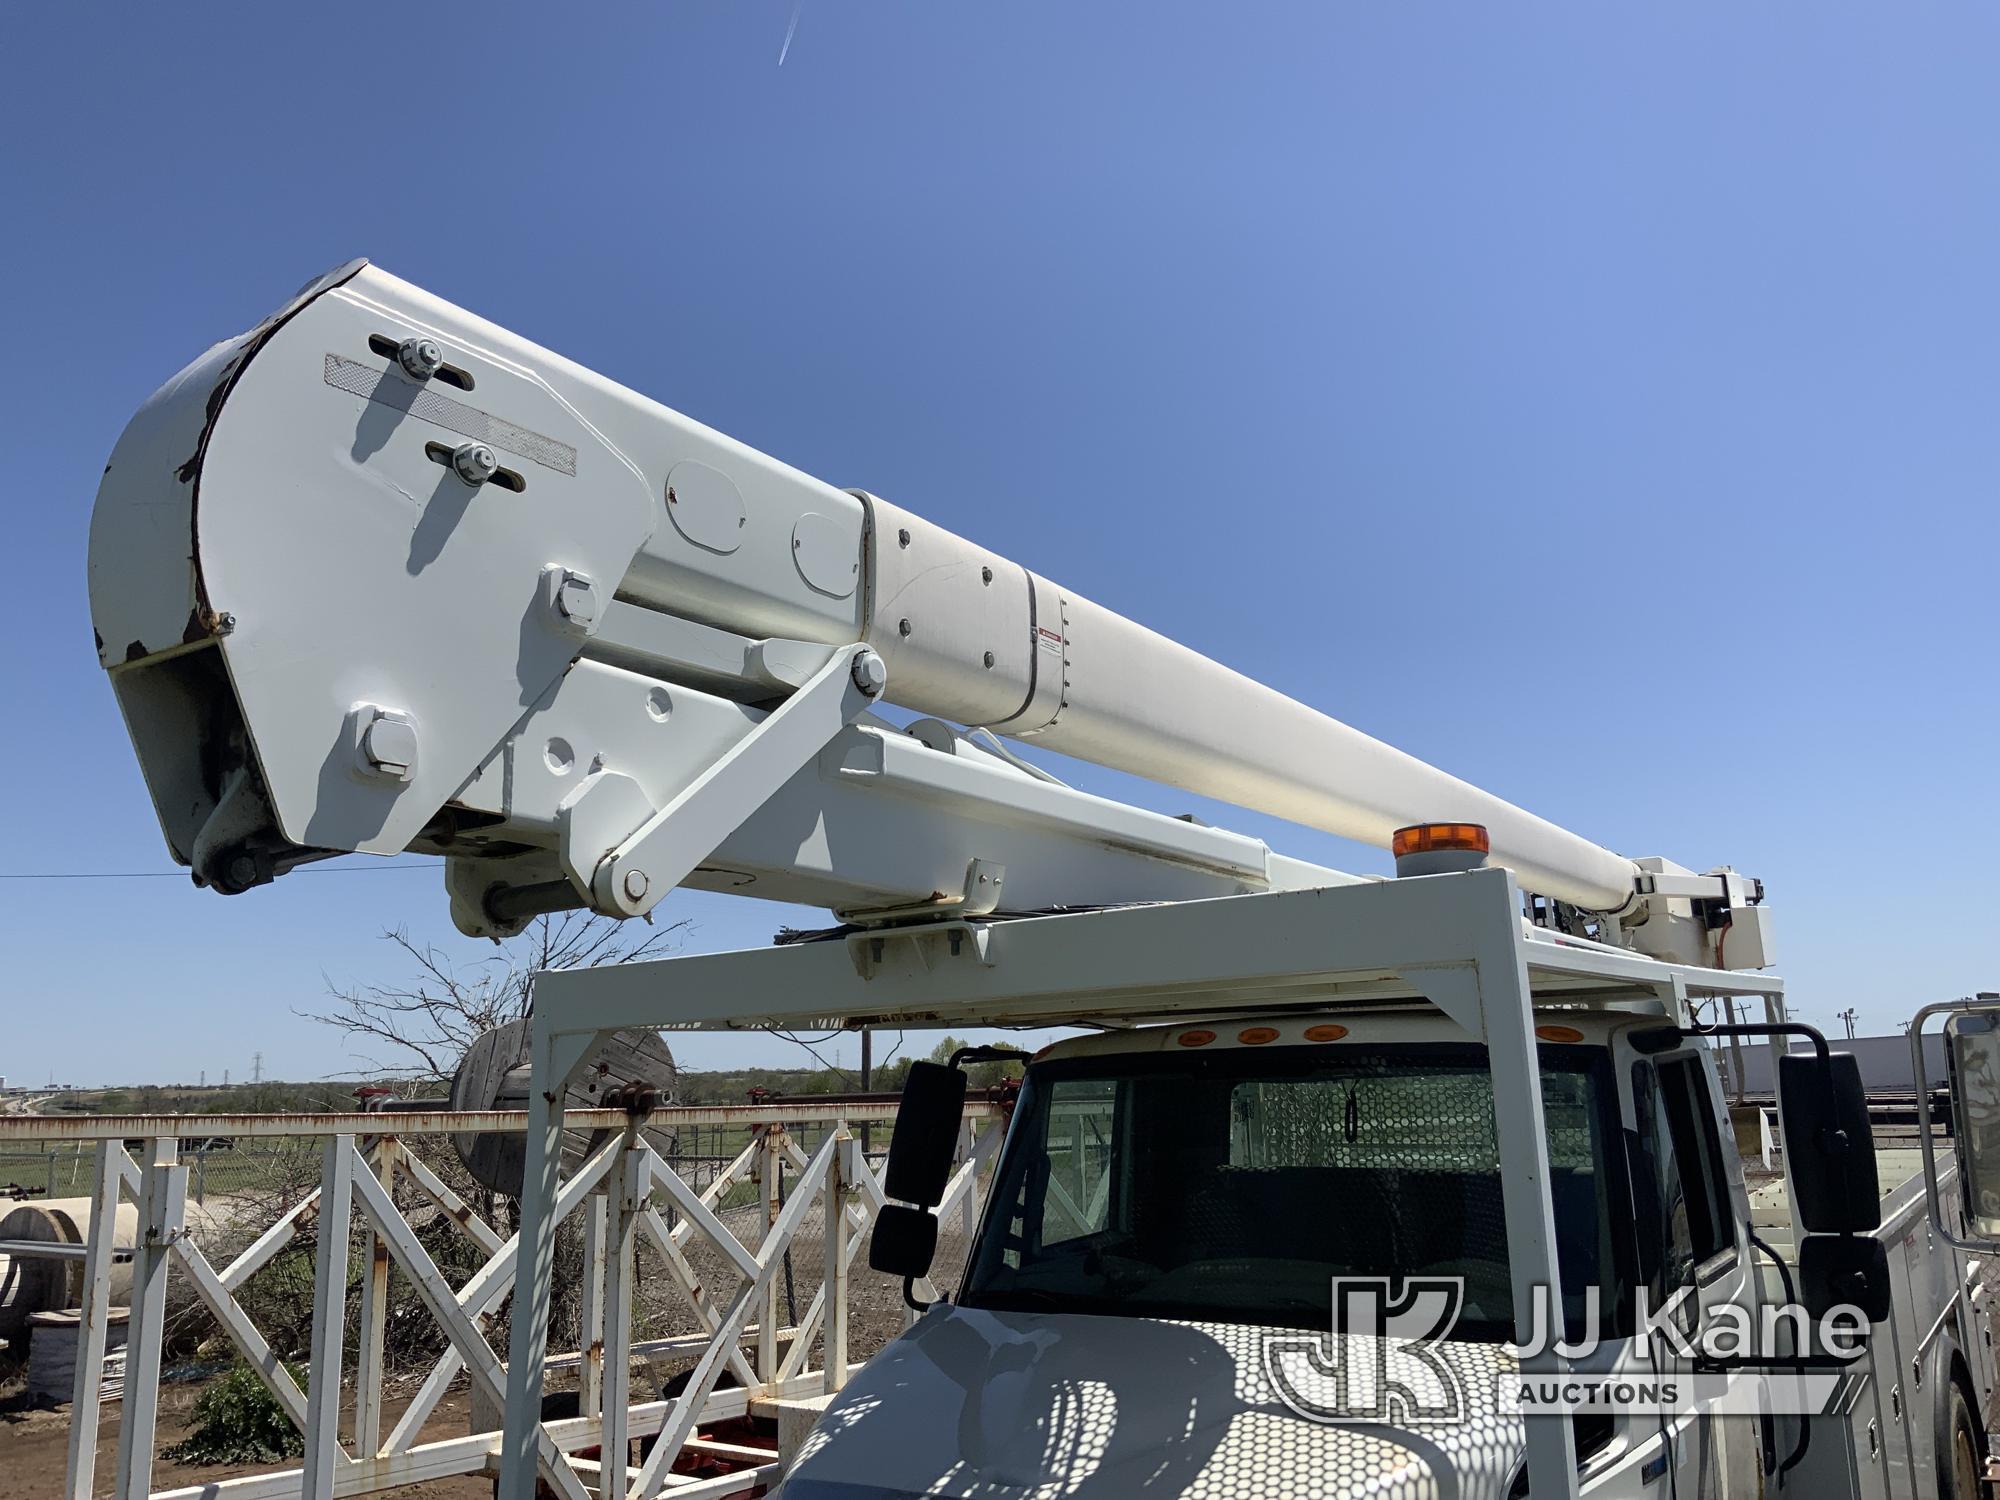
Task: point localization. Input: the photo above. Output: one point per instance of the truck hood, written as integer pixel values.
(1034, 1406)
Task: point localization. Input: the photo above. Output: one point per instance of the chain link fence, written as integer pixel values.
(217, 1166)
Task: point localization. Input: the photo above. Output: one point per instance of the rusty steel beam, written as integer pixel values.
(431, 1122)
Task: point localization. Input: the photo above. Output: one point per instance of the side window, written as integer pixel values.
(1678, 1135)
(1077, 1195)
(1698, 1144)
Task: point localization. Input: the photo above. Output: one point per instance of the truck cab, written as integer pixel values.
(1149, 1304)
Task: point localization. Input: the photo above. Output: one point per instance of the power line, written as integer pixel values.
(183, 874)
(799, 1041)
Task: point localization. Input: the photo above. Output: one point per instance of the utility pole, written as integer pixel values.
(257, 1062)
(867, 1068)
(1847, 1016)
(1736, 1068)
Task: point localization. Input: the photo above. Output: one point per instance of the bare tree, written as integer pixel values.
(417, 1030)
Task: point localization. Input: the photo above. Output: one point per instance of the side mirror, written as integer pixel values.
(1844, 1270)
(1828, 1143)
(1972, 1042)
(905, 1241)
(919, 1168)
(1971, 1046)
(926, 1135)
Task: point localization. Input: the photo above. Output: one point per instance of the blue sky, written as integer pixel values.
(1597, 400)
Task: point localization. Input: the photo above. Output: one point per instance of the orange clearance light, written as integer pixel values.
(1423, 838)
(1326, 1033)
(1558, 1033)
(1196, 1038)
(1256, 1036)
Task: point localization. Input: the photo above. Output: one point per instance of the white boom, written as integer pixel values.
(380, 575)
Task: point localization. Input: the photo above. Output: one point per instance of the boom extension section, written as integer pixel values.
(380, 575)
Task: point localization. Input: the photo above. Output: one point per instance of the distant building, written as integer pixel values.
(1885, 1062)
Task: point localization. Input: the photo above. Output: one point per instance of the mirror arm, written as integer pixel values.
(1813, 1034)
(987, 1054)
(1762, 1028)
(1747, 1029)
(1804, 1443)
(910, 1296)
(1943, 1007)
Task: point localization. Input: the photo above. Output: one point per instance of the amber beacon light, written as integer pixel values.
(1439, 848)
(1425, 838)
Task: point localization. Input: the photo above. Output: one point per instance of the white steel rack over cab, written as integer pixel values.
(1399, 1080)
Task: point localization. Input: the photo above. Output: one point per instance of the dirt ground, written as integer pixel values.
(34, 1448)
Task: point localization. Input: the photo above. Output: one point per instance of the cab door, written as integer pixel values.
(1693, 1243)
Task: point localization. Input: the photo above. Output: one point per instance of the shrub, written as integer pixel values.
(238, 1421)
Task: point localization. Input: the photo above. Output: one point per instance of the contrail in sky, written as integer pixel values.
(789, 30)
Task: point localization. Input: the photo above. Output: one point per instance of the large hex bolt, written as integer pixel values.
(475, 463)
(420, 358)
(384, 742)
(870, 675)
(571, 600)
(576, 600)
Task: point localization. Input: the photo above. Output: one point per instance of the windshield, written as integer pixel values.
(1234, 1185)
